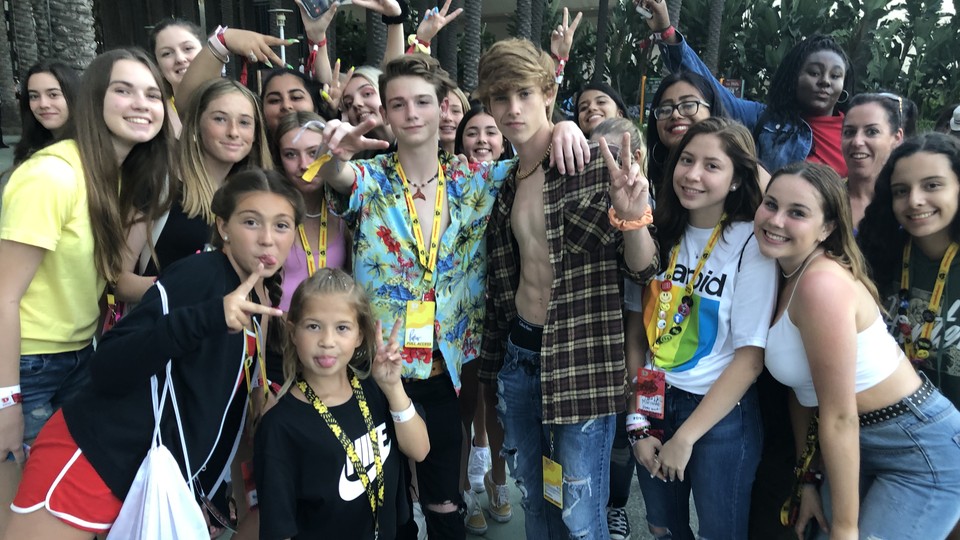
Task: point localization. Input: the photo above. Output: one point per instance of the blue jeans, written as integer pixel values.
(720, 472)
(909, 474)
(582, 449)
(47, 381)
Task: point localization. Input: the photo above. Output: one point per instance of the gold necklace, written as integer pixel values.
(523, 175)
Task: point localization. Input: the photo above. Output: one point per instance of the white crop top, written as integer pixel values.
(786, 358)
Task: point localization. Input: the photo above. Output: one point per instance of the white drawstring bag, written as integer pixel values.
(160, 504)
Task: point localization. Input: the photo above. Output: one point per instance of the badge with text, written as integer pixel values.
(419, 319)
(651, 389)
(553, 482)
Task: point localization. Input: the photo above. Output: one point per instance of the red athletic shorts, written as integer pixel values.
(59, 478)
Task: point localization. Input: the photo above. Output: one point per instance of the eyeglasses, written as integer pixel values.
(896, 98)
(685, 108)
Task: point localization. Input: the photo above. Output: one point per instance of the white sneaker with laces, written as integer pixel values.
(474, 521)
(617, 523)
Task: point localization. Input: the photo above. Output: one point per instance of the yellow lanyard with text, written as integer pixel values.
(321, 248)
(429, 262)
(666, 297)
(919, 349)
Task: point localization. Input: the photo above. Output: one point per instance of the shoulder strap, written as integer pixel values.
(154, 236)
(168, 389)
(796, 284)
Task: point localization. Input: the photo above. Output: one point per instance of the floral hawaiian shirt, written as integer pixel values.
(386, 265)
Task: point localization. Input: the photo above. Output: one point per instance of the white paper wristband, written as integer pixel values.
(404, 415)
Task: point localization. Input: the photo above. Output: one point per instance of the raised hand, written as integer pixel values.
(435, 20)
(390, 8)
(387, 364)
(629, 188)
(561, 39)
(316, 29)
(345, 140)
(661, 18)
(334, 90)
(253, 46)
(237, 310)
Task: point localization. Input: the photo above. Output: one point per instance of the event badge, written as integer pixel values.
(553, 482)
(651, 389)
(420, 318)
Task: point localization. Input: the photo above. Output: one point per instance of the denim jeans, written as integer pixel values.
(909, 474)
(720, 472)
(47, 381)
(582, 449)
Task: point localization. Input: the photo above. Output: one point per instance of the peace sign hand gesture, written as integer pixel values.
(387, 364)
(434, 20)
(237, 310)
(629, 188)
(561, 39)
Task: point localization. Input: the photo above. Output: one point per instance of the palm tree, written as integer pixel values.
(711, 54)
(523, 19)
(24, 32)
(603, 31)
(75, 40)
(673, 8)
(471, 43)
(537, 8)
(448, 51)
(7, 90)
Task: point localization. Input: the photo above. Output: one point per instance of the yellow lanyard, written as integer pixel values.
(919, 349)
(375, 493)
(253, 345)
(429, 263)
(322, 247)
(665, 300)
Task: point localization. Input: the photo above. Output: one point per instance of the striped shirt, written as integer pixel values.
(582, 362)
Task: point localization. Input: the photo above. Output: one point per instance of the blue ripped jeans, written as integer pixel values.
(582, 449)
(48, 381)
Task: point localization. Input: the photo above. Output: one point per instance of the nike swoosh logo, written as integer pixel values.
(350, 489)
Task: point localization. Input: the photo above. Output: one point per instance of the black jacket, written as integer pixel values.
(112, 419)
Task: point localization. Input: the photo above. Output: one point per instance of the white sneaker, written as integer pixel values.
(420, 521)
(477, 465)
(474, 521)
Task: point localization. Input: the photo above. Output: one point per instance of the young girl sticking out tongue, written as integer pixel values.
(332, 420)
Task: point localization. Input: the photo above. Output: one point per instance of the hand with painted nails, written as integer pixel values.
(434, 21)
(253, 46)
(237, 309)
(335, 88)
(316, 29)
(561, 39)
(629, 188)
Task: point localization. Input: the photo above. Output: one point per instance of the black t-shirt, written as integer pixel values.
(306, 484)
(943, 364)
(181, 237)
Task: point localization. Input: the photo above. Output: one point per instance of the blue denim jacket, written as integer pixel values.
(795, 147)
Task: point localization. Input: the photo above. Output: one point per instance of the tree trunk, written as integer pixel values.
(24, 32)
(8, 92)
(72, 23)
(537, 7)
(471, 44)
(377, 38)
(673, 8)
(711, 54)
(41, 18)
(603, 31)
(523, 19)
(447, 52)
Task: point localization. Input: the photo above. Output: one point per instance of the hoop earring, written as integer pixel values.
(844, 96)
(653, 153)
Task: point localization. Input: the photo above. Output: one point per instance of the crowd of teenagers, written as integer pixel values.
(375, 295)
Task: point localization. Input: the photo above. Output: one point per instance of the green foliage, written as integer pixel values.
(901, 45)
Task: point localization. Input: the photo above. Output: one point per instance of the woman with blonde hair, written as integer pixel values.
(223, 133)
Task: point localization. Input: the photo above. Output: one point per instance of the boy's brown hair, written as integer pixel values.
(416, 65)
(513, 64)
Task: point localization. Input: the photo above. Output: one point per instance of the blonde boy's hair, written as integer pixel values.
(512, 64)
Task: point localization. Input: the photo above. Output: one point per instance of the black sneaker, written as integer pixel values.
(617, 523)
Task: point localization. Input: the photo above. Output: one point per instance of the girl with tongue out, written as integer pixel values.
(210, 328)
